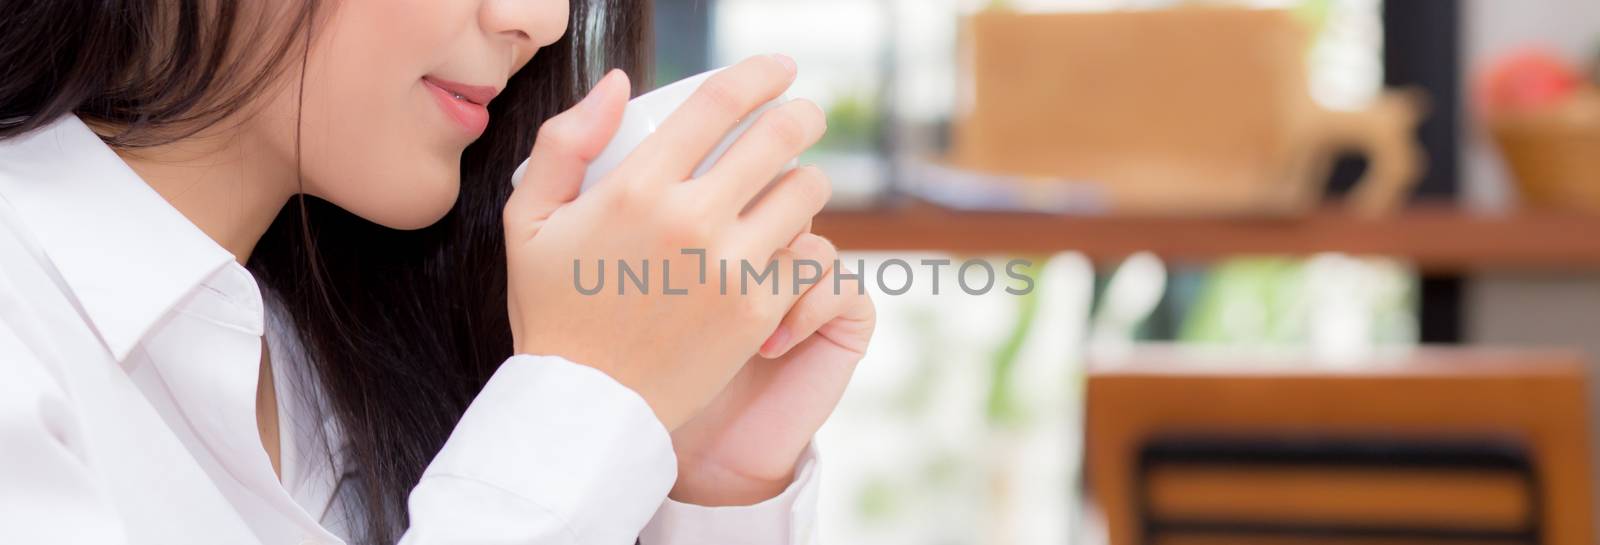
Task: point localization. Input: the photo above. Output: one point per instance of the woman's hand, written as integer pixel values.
(676, 350)
(742, 449)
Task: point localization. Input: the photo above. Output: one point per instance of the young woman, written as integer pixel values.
(263, 279)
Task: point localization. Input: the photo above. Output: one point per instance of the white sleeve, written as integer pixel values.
(786, 519)
(47, 493)
(550, 452)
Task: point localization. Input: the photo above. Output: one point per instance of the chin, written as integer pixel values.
(405, 191)
(424, 207)
(406, 204)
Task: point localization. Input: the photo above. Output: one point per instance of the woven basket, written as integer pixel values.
(1555, 155)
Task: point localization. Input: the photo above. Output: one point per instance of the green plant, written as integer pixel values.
(1002, 407)
(852, 123)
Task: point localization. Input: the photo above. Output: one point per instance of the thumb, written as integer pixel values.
(563, 149)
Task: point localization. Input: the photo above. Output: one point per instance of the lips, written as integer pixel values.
(467, 105)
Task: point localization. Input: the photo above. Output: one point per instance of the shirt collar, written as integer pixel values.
(126, 255)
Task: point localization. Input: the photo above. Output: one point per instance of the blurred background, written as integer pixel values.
(1307, 271)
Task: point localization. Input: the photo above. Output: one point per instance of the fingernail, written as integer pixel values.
(788, 63)
(778, 340)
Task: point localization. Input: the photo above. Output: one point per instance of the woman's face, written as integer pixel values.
(394, 90)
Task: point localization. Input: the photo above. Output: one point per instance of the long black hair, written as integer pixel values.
(402, 328)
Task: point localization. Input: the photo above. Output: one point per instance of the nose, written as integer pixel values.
(526, 25)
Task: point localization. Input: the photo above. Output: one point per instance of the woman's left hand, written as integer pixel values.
(742, 449)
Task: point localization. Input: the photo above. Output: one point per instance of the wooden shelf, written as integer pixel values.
(1434, 238)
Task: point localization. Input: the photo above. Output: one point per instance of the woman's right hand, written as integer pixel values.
(676, 350)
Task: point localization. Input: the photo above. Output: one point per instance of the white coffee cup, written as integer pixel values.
(647, 112)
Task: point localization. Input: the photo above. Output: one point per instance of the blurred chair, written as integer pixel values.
(1435, 447)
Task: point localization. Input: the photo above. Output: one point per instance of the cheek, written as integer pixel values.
(369, 144)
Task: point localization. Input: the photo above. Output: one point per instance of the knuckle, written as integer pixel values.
(559, 133)
(811, 246)
(751, 309)
(788, 127)
(814, 186)
(721, 95)
(683, 230)
(697, 211)
(632, 200)
(828, 250)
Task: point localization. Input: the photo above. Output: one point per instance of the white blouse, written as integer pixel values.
(129, 354)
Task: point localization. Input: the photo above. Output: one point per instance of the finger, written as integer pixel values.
(776, 138)
(781, 291)
(815, 307)
(784, 211)
(694, 129)
(832, 299)
(562, 151)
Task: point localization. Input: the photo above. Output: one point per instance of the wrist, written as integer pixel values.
(709, 484)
